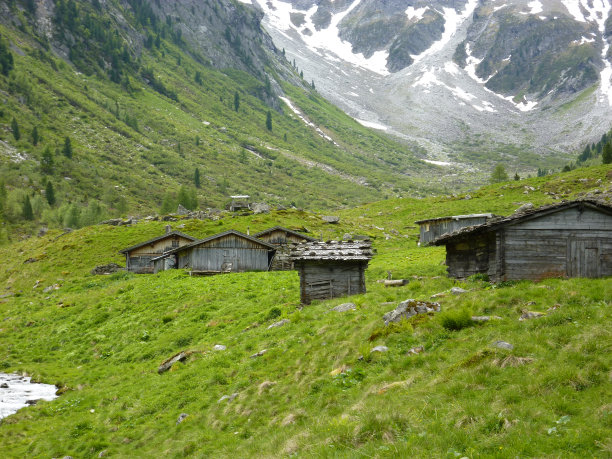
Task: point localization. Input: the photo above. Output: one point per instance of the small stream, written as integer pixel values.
(17, 392)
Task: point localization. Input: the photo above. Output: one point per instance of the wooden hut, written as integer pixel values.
(433, 228)
(239, 202)
(282, 238)
(569, 239)
(331, 269)
(139, 257)
(231, 251)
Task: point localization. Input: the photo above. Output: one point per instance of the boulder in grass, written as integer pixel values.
(330, 219)
(345, 307)
(409, 308)
(380, 349)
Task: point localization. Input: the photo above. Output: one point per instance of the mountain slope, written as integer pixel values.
(526, 81)
(146, 97)
(319, 389)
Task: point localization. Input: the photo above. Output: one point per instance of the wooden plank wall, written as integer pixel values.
(213, 259)
(325, 280)
(159, 247)
(471, 256)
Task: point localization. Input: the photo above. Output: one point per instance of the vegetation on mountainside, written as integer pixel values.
(122, 126)
(443, 389)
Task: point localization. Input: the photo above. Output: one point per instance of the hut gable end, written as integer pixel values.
(331, 269)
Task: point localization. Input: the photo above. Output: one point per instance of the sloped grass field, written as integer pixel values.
(318, 390)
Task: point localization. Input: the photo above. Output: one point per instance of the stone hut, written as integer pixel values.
(568, 239)
(138, 258)
(282, 238)
(331, 269)
(230, 251)
(433, 228)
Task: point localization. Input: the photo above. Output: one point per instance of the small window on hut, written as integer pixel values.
(175, 243)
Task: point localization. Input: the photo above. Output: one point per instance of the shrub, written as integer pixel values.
(456, 319)
(273, 313)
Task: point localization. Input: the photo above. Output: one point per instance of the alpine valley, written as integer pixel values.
(459, 76)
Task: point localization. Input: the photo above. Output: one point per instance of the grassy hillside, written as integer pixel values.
(143, 119)
(319, 390)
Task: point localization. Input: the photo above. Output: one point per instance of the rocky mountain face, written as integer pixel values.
(528, 75)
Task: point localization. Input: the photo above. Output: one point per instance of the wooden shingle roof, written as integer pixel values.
(159, 238)
(280, 228)
(333, 250)
(455, 217)
(519, 217)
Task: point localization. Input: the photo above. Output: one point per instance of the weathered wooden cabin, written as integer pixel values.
(331, 269)
(239, 202)
(433, 228)
(139, 257)
(231, 251)
(282, 238)
(569, 239)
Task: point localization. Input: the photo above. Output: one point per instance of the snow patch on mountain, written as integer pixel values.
(306, 121)
(452, 21)
(536, 7)
(416, 13)
(371, 124)
(324, 42)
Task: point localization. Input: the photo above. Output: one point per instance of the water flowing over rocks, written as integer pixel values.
(17, 392)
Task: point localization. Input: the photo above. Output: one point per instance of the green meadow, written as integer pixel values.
(443, 388)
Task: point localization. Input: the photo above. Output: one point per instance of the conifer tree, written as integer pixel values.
(35, 136)
(67, 150)
(26, 209)
(15, 129)
(196, 178)
(50, 193)
(499, 174)
(269, 120)
(236, 101)
(606, 156)
(516, 176)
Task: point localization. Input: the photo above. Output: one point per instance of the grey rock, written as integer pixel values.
(409, 308)
(485, 318)
(260, 208)
(169, 218)
(458, 290)
(181, 418)
(50, 288)
(345, 307)
(503, 345)
(467, 196)
(524, 207)
(229, 398)
(380, 349)
(42, 231)
(347, 236)
(181, 210)
(103, 453)
(4, 386)
(330, 219)
(259, 354)
(280, 323)
(167, 364)
(219, 347)
(106, 269)
(526, 315)
(415, 350)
